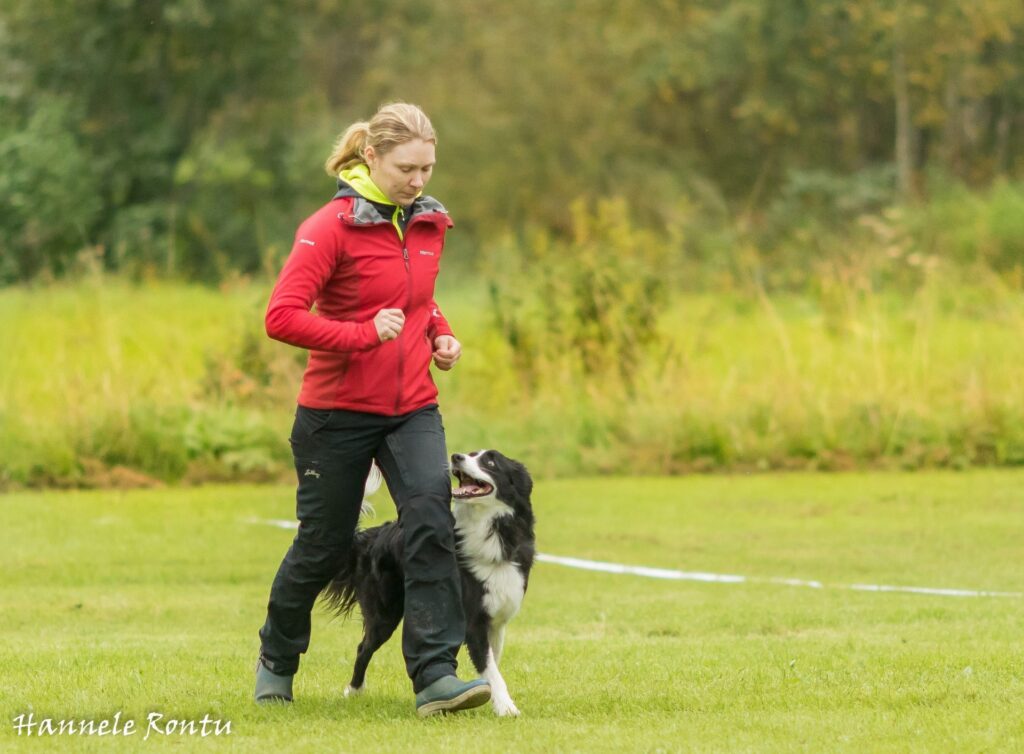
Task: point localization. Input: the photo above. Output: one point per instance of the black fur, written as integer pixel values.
(373, 578)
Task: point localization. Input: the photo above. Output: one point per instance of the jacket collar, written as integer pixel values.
(367, 212)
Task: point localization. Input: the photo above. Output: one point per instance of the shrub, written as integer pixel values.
(587, 308)
(49, 198)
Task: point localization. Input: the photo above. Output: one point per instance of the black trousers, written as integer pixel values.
(333, 450)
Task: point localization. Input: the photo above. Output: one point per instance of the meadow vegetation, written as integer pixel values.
(738, 235)
(616, 350)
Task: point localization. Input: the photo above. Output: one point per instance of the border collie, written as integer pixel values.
(495, 542)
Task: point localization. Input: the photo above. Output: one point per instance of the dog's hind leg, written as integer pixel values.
(375, 633)
(477, 633)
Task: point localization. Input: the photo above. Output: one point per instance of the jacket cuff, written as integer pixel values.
(438, 329)
(369, 335)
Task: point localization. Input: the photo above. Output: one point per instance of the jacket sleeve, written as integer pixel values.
(310, 265)
(438, 324)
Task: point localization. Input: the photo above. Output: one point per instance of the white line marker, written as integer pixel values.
(653, 573)
(660, 573)
(930, 590)
(716, 578)
(280, 523)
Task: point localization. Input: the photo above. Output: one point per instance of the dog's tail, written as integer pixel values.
(373, 567)
(339, 596)
(373, 482)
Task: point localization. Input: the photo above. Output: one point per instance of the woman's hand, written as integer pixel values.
(447, 351)
(389, 323)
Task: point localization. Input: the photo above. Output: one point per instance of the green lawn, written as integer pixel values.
(135, 602)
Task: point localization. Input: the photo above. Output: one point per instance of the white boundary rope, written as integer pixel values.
(719, 578)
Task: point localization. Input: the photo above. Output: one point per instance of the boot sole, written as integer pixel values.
(468, 699)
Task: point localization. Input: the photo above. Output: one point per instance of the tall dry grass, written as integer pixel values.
(585, 355)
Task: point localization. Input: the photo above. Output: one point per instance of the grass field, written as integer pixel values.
(144, 601)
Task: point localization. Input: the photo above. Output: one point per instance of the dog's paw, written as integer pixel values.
(505, 707)
(353, 691)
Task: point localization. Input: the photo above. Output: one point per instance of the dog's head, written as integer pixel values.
(487, 474)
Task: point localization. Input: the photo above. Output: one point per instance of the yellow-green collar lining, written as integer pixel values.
(358, 178)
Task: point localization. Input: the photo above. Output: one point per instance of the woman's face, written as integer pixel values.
(403, 172)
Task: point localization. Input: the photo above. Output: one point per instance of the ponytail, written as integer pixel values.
(348, 150)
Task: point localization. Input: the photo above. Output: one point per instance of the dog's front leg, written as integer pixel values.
(479, 636)
(500, 698)
(496, 635)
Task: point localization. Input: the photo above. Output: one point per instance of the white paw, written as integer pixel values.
(505, 707)
(353, 691)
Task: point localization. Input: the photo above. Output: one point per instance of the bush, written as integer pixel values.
(49, 197)
(587, 308)
(972, 228)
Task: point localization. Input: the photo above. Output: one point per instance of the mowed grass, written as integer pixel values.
(146, 601)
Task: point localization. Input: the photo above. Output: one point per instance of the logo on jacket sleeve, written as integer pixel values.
(426, 253)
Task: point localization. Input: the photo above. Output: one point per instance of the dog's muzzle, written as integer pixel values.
(469, 486)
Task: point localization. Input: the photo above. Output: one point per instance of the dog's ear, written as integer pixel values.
(522, 483)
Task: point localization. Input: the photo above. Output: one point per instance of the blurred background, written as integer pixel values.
(690, 236)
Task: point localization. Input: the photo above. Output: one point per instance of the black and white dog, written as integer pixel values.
(495, 541)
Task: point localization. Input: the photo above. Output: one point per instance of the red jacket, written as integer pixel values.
(350, 262)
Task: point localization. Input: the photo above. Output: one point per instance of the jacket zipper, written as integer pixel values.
(408, 297)
(408, 300)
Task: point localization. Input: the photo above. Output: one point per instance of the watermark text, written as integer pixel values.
(156, 724)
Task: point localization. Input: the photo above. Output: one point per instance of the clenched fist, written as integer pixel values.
(389, 324)
(447, 351)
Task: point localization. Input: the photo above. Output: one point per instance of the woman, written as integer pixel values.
(368, 260)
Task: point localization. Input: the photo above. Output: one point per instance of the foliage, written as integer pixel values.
(983, 229)
(186, 137)
(142, 83)
(48, 191)
(587, 307)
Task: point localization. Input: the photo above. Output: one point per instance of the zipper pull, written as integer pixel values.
(405, 254)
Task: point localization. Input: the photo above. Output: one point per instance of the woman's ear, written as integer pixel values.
(370, 155)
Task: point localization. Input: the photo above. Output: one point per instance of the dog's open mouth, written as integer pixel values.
(470, 487)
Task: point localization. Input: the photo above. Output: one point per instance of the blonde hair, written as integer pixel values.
(395, 123)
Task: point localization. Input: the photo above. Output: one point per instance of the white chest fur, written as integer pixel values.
(481, 552)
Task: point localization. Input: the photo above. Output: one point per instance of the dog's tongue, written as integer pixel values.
(467, 490)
